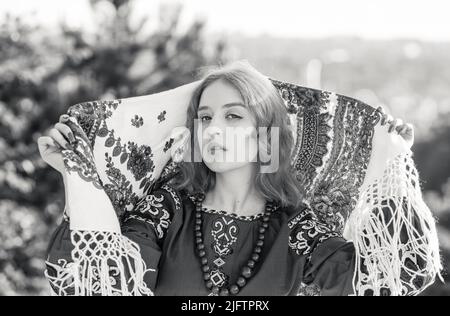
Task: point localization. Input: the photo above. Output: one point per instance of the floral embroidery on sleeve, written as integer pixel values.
(157, 209)
(307, 232)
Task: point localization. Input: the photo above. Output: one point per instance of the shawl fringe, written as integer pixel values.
(394, 233)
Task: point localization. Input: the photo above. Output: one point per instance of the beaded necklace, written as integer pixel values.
(247, 270)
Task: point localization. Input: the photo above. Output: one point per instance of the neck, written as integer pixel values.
(235, 192)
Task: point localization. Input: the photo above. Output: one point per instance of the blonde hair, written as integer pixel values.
(267, 107)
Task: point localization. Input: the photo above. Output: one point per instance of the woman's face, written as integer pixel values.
(226, 129)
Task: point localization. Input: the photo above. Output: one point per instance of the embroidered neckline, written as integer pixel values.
(249, 218)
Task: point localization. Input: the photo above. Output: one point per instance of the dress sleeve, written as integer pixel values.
(77, 261)
(328, 258)
(147, 226)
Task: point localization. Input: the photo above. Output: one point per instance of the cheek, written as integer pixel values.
(247, 134)
(202, 135)
(203, 138)
(243, 142)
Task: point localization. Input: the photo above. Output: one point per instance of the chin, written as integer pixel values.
(222, 163)
(221, 166)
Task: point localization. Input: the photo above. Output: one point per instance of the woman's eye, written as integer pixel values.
(234, 116)
(208, 118)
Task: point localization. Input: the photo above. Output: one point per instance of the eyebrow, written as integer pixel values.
(228, 105)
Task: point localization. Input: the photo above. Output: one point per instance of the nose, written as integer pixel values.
(213, 131)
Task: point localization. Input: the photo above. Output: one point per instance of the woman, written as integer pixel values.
(219, 226)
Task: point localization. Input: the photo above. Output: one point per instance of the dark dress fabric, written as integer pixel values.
(301, 256)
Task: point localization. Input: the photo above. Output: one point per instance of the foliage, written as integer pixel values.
(42, 73)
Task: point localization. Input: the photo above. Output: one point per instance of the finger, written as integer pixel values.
(45, 142)
(410, 129)
(381, 110)
(76, 129)
(394, 124)
(66, 131)
(385, 119)
(401, 129)
(64, 118)
(59, 139)
(388, 119)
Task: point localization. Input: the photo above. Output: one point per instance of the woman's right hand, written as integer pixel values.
(58, 138)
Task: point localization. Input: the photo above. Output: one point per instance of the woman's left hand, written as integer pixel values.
(406, 130)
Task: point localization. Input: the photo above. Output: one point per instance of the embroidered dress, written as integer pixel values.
(298, 251)
(364, 228)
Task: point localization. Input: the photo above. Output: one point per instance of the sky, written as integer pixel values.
(380, 19)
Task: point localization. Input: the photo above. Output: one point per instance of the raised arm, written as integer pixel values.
(390, 245)
(89, 254)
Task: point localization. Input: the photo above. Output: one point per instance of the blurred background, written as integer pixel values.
(54, 54)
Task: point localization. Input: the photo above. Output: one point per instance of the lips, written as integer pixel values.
(215, 146)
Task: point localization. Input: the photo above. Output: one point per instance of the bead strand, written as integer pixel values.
(247, 270)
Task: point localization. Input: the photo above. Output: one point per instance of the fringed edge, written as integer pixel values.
(394, 233)
(60, 277)
(103, 263)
